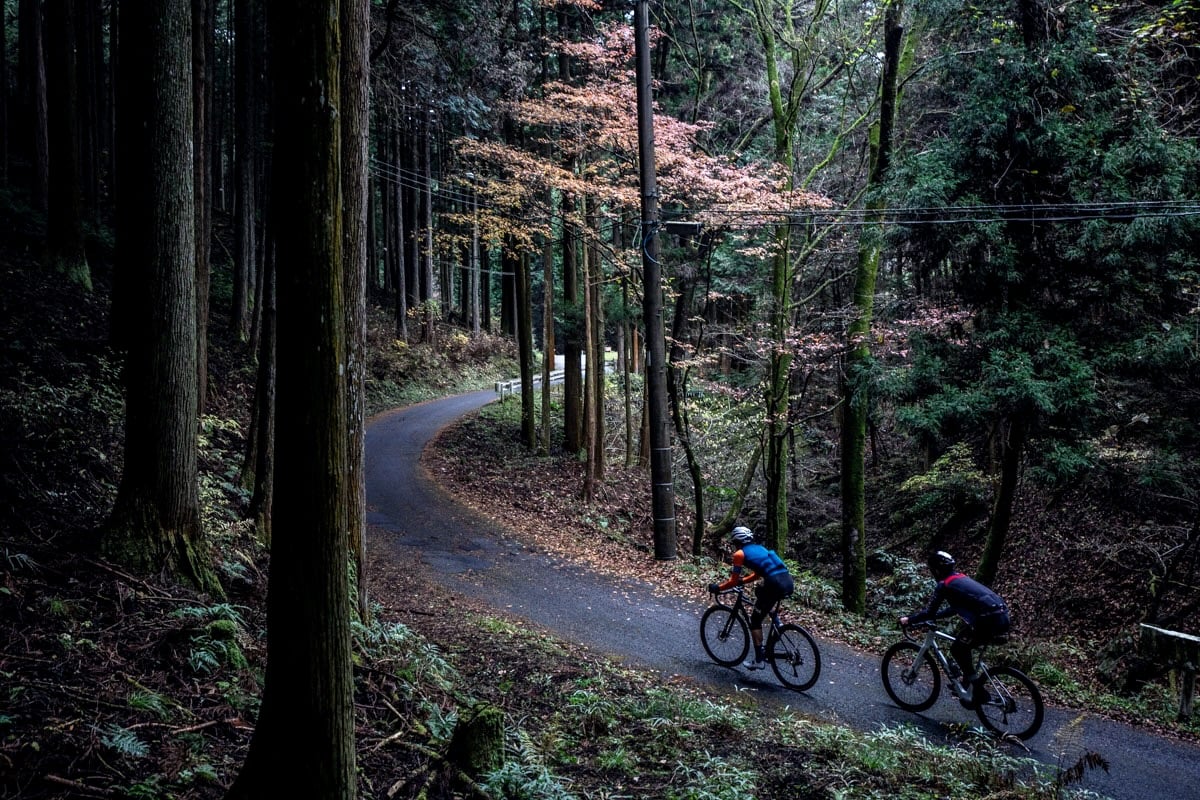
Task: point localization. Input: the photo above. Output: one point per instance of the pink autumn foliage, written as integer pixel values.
(594, 126)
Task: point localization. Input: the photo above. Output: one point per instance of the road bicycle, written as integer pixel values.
(912, 674)
(791, 650)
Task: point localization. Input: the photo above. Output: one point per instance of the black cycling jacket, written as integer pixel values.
(964, 596)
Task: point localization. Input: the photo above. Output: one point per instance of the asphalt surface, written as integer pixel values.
(422, 524)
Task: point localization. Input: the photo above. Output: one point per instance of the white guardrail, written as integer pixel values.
(513, 387)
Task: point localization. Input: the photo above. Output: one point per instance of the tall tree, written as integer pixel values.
(784, 102)
(155, 524)
(354, 115)
(94, 124)
(572, 329)
(65, 252)
(303, 743)
(203, 32)
(661, 480)
(31, 83)
(248, 43)
(856, 374)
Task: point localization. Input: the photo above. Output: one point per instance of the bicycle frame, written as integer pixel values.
(745, 607)
(930, 645)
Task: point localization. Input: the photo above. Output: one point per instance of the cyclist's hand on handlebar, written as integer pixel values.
(904, 622)
(713, 588)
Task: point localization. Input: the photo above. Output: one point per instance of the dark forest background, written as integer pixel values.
(929, 276)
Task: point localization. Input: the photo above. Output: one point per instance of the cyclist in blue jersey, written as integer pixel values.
(751, 562)
(984, 615)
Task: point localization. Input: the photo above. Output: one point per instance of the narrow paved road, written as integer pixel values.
(421, 523)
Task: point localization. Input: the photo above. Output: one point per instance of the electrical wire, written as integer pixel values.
(753, 218)
(953, 215)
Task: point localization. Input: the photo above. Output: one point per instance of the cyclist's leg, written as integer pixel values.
(765, 598)
(965, 641)
(988, 628)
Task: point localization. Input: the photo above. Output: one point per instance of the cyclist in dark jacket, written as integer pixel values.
(983, 612)
(751, 562)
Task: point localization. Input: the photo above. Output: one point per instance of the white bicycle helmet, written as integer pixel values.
(741, 535)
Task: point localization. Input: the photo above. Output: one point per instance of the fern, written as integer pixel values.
(203, 660)
(525, 776)
(122, 741)
(205, 613)
(149, 701)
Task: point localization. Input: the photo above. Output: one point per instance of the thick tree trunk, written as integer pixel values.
(155, 524)
(303, 744)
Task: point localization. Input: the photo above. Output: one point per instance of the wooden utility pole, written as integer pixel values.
(663, 488)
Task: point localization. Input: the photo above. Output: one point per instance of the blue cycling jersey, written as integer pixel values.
(764, 562)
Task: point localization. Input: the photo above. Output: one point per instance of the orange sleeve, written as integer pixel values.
(737, 578)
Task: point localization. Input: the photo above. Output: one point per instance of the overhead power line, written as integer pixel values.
(752, 218)
(953, 215)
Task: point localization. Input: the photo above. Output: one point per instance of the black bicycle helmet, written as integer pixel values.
(941, 564)
(741, 535)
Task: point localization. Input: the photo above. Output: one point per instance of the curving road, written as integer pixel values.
(421, 523)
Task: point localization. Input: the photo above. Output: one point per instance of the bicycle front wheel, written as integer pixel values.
(724, 635)
(913, 685)
(794, 657)
(1014, 704)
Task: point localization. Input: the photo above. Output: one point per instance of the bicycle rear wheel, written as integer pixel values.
(1014, 705)
(794, 657)
(724, 635)
(913, 686)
